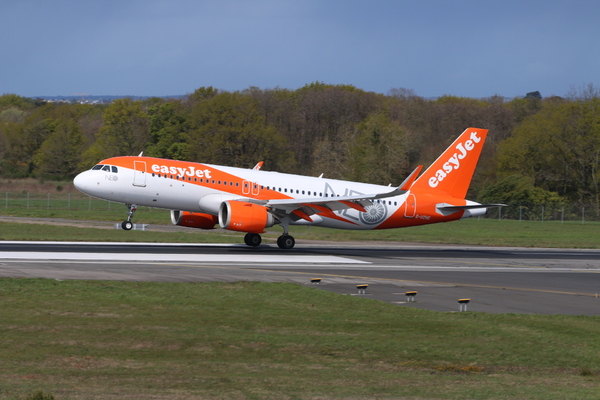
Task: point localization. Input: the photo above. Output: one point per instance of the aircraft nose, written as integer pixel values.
(81, 182)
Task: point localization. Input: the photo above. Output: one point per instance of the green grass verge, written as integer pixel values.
(246, 340)
(465, 232)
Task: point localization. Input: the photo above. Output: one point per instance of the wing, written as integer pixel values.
(304, 208)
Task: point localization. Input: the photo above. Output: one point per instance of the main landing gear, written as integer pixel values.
(252, 239)
(284, 241)
(127, 224)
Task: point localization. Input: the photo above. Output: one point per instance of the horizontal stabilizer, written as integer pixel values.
(471, 208)
(468, 207)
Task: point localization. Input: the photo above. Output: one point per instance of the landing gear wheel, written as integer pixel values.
(286, 242)
(127, 225)
(252, 239)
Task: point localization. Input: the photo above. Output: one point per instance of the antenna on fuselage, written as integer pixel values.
(141, 153)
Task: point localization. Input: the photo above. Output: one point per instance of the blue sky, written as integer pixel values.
(154, 48)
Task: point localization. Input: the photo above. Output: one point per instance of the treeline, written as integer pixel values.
(539, 150)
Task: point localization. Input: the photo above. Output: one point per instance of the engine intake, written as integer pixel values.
(244, 217)
(193, 220)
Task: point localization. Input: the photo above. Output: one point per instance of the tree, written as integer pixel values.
(200, 94)
(523, 198)
(325, 115)
(13, 100)
(22, 141)
(59, 155)
(559, 148)
(378, 153)
(168, 124)
(125, 132)
(228, 129)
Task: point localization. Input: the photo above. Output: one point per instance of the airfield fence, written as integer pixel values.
(581, 213)
(63, 201)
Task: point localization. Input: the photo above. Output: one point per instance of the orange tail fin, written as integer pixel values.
(453, 170)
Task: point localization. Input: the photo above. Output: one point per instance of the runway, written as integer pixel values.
(497, 280)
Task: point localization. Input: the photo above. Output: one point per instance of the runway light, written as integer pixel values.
(315, 281)
(362, 289)
(410, 296)
(462, 303)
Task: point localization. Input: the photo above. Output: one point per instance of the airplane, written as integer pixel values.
(251, 200)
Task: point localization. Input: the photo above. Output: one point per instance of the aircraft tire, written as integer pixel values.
(127, 225)
(286, 242)
(252, 239)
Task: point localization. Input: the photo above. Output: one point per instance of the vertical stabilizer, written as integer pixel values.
(453, 170)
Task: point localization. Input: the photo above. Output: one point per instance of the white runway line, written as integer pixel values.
(212, 258)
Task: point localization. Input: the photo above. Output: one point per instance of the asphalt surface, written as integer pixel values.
(496, 280)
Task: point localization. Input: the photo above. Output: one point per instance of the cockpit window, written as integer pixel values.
(107, 168)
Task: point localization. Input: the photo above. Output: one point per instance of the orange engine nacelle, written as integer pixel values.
(244, 217)
(193, 220)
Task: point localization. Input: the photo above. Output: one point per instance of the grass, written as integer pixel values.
(29, 198)
(246, 340)
(466, 232)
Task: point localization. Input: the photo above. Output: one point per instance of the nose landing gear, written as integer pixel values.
(127, 224)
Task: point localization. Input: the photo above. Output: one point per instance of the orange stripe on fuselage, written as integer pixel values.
(426, 212)
(208, 176)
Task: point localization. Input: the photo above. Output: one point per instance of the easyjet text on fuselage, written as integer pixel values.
(189, 171)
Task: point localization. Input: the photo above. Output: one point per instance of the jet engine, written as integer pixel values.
(244, 217)
(193, 220)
